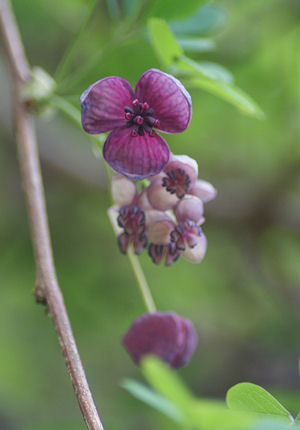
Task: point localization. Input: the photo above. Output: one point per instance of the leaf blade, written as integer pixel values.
(253, 398)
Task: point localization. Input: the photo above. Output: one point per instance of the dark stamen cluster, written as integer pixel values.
(185, 233)
(156, 252)
(140, 118)
(177, 181)
(132, 220)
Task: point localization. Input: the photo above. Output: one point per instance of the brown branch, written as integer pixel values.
(47, 288)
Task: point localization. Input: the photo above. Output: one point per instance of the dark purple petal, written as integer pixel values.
(162, 334)
(189, 343)
(170, 101)
(102, 104)
(136, 157)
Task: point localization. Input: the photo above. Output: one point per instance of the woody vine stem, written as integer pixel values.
(47, 290)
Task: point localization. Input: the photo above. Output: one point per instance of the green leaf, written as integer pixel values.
(212, 415)
(207, 69)
(166, 382)
(253, 398)
(163, 41)
(231, 94)
(206, 19)
(151, 398)
(273, 424)
(196, 44)
(172, 9)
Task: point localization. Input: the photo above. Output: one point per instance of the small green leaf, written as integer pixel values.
(172, 9)
(231, 94)
(196, 44)
(253, 398)
(163, 41)
(166, 382)
(207, 69)
(151, 398)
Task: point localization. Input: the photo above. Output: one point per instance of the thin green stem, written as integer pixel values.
(137, 269)
(141, 280)
(63, 66)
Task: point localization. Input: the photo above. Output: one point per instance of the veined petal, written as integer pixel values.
(136, 157)
(170, 101)
(102, 104)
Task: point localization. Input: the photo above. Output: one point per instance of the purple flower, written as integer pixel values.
(165, 335)
(133, 148)
(129, 217)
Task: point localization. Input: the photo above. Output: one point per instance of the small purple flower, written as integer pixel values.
(129, 218)
(133, 148)
(132, 220)
(159, 228)
(165, 335)
(181, 174)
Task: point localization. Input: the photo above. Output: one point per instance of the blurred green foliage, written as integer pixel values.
(243, 298)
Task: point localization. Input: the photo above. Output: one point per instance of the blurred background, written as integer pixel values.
(244, 298)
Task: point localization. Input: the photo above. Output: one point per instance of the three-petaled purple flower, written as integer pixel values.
(133, 148)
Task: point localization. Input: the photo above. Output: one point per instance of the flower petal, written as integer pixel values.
(136, 157)
(103, 103)
(170, 101)
(196, 254)
(189, 343)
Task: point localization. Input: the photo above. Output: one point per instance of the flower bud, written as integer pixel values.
(123, 190)
(159, 198)
(165, 335)
(158, 232)
(185, 159)
(190, 207)
(197, 253)
(203, 190)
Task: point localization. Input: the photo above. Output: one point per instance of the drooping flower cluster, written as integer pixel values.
(155, 217)
(164, 216)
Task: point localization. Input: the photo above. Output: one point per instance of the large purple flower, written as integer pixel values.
(133, 148)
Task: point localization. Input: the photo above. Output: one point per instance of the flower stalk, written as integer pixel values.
(47, 289)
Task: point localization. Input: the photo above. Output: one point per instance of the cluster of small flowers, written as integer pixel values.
(166, 216)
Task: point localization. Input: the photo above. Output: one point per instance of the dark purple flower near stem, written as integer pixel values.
(165, 335)
(133, 148)
(132, 220)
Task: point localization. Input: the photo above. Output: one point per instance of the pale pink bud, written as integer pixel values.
(190, 207)
(197, 253)
(143, 201)
(186, 160)
(204, 190)
(159, 232)
(159, 198)
(123, 190)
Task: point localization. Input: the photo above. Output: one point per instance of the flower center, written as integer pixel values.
(177, 181)
(132, 220)
(185, 234)
(140, 117)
